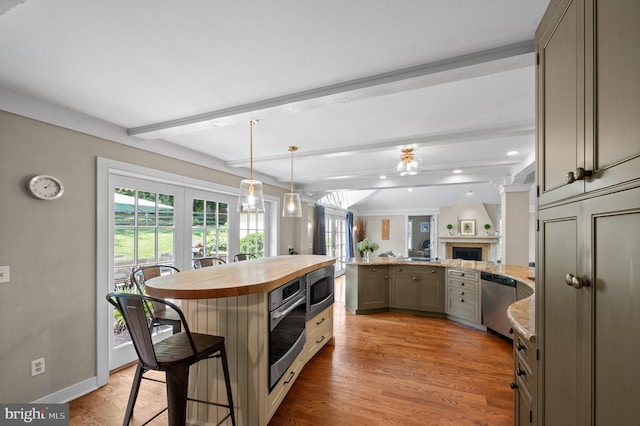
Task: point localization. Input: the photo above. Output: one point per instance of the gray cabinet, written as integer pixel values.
(367, 288)
(463, 295)
(523, 380)
(587, 287)
(588, 97)
(419, 288)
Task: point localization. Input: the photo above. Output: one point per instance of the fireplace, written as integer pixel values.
(467, 253)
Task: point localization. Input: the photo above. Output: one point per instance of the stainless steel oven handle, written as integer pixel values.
(279, 314)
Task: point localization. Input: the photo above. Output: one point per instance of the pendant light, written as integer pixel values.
(291, 202)
(408, 166)
(251, 199)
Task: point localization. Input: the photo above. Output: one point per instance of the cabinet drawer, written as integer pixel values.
(319, 331)
(320, 320)
(318, 338)
(465, 306)
(465, 275)
(464, 284)
(524, 375)
(525, 349)
(282, 387)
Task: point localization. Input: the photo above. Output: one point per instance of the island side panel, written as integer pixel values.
(242, 321)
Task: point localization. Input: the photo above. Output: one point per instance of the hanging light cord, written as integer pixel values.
(251, 123)
(292, 149)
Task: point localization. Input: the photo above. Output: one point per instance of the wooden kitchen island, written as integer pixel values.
(231, 300)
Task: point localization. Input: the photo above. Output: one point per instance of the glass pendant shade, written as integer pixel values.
(291, 206)
(251, 198)
(408, 165)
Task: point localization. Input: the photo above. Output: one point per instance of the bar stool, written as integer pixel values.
(162, 316)
(243, 256)
(174, 356)
(205, 262)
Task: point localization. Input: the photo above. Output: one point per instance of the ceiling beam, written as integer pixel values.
(510, 57)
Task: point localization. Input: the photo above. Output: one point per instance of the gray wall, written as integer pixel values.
(49, 307)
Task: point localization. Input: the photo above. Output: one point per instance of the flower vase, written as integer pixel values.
(366, 255)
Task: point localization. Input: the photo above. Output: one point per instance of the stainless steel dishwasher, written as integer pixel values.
(498, 293)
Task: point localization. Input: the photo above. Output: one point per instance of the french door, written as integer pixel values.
(336, 239)
(144, 229)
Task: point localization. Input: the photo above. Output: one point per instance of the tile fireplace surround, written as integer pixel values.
(488, 244)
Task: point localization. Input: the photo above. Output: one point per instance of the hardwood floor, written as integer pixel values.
(384, 369)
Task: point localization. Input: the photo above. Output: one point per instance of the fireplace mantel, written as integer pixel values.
(488, 244)
(489, 239)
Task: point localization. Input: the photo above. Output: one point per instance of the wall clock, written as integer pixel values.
(45, 187)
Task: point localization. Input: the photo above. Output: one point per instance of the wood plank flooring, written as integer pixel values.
(384, 369)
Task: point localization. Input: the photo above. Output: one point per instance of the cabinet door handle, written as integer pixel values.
(462, 293)
(513, 385)
(579, 174)
(576, 282)
(521, 372)
(290, 378)
(385, 277)
(462, 300)
(521, 347)
(373, 269)
(433, 271)
(461, 284)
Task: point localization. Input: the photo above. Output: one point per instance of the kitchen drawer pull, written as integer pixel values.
(373, 269)
(290, 378)
(521, 347)
(462, 300)
(321, 321)
(521, 372)
(462, 293)
(321, 340)
(513, 385)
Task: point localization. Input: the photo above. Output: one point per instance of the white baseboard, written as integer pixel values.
(70, 393)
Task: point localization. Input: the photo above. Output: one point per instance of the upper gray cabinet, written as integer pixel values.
(588, 121)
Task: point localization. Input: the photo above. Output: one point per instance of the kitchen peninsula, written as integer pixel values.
(382, 289)
(231, 300)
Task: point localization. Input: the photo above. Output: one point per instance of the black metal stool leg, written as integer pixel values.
(227, 381)
(133, 395)
(177, 384)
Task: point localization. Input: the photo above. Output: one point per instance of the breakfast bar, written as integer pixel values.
(232, 301)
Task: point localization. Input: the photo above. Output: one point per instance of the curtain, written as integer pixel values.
(319, 245)
(350, 252)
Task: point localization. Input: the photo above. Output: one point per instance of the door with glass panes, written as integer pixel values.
(209, 225)
(143, 223)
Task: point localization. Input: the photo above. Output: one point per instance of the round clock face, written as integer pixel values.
(45, 187)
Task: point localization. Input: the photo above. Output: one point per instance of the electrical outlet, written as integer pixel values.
(37, 366)
(4, 274)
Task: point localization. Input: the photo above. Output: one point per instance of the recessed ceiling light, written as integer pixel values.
(410, 189)
(383, 177)
(457, 171)
(469, 193)
(513, 153)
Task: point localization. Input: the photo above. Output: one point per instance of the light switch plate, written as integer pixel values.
(4, 274)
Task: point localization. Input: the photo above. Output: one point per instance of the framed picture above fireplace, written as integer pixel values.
(468, 227)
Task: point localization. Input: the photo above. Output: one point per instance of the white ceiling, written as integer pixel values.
(348, 82)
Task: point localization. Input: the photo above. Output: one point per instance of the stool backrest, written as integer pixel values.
(207, 261)
(136, 311)
(243, 256)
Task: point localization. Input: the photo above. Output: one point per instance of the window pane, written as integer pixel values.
(165, 244)
(165, 210)
(146, 208)
(146, 246)
(124, 206)
(123, 246)
(197, 213)
(210, 215)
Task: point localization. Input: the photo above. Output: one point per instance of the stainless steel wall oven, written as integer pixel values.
(287, 317)
(320, 287)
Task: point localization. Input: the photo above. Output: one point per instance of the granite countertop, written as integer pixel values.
(521, 314)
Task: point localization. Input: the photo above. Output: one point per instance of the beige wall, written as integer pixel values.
(49, 307)
(397, 233)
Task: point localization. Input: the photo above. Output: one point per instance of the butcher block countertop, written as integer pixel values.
(237, 278)
(521, 314)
